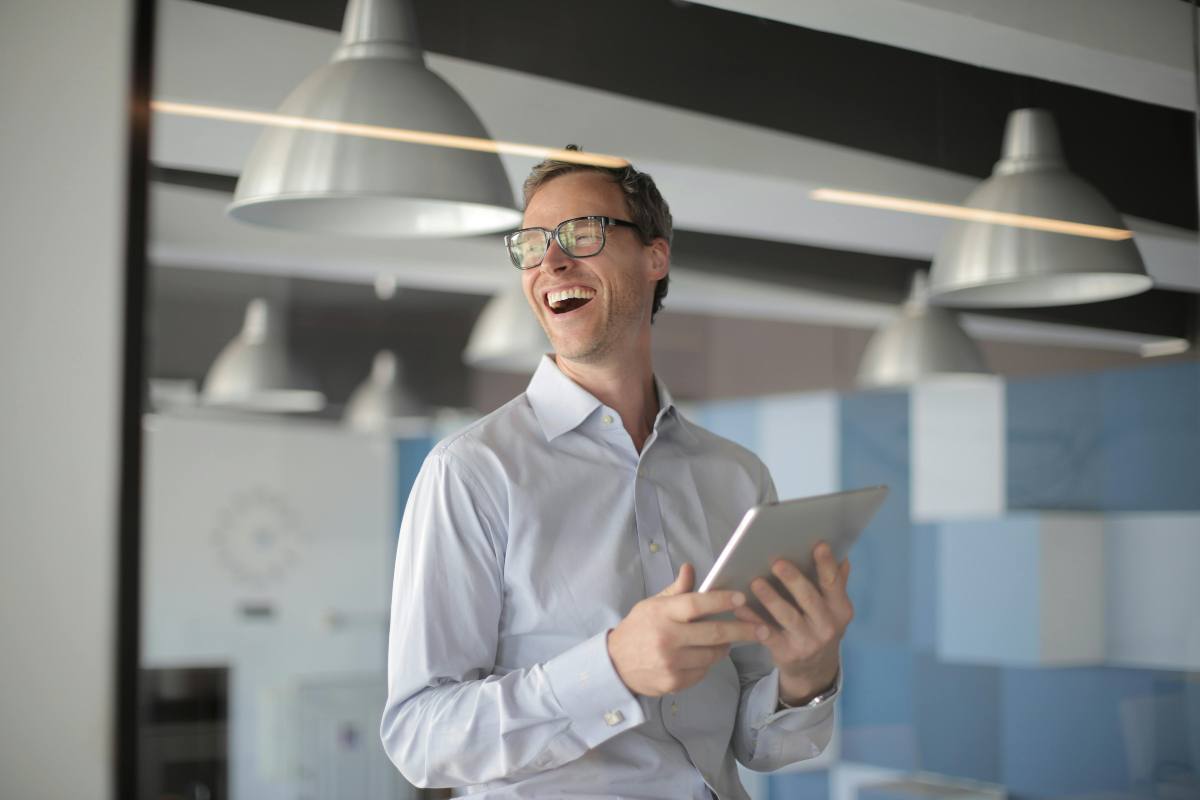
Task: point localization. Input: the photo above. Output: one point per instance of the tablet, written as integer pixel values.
(790, 530)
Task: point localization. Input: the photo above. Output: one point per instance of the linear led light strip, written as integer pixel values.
(390, 134)
(969, 214)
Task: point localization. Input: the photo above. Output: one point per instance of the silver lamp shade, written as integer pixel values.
(382, 402)
(507, 336)
(985, 264)
(342, 183)
(923, 343)
(256, 372)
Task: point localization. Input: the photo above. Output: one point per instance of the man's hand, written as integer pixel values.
(806, 649)
(659, 648)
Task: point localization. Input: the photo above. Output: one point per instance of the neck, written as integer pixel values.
(624, 384)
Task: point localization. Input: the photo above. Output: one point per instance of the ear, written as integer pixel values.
(660, 259)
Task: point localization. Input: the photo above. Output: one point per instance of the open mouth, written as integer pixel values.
(568, 300)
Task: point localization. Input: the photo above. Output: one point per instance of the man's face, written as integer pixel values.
(620, 279)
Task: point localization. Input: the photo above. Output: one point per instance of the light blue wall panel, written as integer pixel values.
(1151, 438)
(799, 786)
(988, 597)
(958, 719)
(1072, 731)
(1055, 443)
(734, 419)
(875, 440)
(410, 455)
(799, 440)
(923, 612)
(877, 705)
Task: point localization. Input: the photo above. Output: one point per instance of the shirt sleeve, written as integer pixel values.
(448, 719)
(764, 738)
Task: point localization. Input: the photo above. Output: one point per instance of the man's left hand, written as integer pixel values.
(805, 649)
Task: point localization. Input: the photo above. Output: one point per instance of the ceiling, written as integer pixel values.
(738, 108)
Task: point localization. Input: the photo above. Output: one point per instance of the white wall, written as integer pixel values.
(297, 517)
(63, 73)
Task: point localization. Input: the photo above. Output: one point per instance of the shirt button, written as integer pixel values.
(654, 547)
(606, 419)
(613, 718)
(674, 708)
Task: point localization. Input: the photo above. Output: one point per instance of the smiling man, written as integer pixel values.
(545, 639)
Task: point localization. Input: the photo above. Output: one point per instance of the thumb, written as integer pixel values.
(683, 581)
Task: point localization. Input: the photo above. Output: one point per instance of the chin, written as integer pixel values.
(582, 352)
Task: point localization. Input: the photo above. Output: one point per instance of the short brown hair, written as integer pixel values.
(647, 208)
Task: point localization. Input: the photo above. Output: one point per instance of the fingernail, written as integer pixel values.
(762, 633)
(739, 599)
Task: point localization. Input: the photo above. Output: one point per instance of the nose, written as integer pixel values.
(556, 259)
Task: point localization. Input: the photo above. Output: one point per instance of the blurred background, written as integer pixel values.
(947, 246)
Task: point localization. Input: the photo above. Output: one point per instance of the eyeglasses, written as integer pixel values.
(579, 238)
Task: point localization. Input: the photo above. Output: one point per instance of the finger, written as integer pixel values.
(807, 596)
(839, 599)
(682, 583)
(747, 614)
(690, 658)
(786, 614)
(693, 605)
(715, 633)
(827, 566)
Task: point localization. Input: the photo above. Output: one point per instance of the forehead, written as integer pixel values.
(577, 194)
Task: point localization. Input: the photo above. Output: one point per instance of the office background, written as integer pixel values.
(1026, 601)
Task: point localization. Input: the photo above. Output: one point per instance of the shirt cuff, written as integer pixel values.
(764, 708)
(586, 685)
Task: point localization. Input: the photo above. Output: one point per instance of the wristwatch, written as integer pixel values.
(820, 699)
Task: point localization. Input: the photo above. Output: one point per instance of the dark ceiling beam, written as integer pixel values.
(194, 179)
(846, 273)
(859, 94)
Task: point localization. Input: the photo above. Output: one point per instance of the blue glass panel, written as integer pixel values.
(877, 705)
(410, 455)
(1073, 731)
(1151, 430)
(958, 719)
(734, 419)
(799, 786)
(923, 617)
(1054, 430)
(988, 596)
(874, 435)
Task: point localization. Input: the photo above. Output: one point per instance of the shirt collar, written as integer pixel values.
(562, 405)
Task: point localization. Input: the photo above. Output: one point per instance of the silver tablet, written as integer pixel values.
(790, 530)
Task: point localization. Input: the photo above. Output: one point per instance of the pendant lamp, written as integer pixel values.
(507, 337)
(382, 402)
(923, 343)
(986, 264)
(341, 183)
(256, 372)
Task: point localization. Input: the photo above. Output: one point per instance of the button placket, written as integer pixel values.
(658, 570)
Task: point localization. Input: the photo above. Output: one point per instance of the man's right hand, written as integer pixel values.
(661, 648)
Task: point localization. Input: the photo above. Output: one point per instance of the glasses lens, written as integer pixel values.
(581, 237)
(527, 248)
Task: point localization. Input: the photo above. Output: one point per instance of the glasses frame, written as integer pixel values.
(605, 223)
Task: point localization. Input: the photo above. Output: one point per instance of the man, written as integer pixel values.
(545, 638)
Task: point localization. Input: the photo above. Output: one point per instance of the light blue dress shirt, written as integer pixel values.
(527, 537)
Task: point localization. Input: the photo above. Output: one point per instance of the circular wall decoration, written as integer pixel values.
(257, 537)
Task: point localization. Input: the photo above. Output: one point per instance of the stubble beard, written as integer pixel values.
(600, 346)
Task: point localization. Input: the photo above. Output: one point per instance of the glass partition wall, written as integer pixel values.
(1025, 602)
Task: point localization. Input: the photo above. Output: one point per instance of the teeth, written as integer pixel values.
(556, 298)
